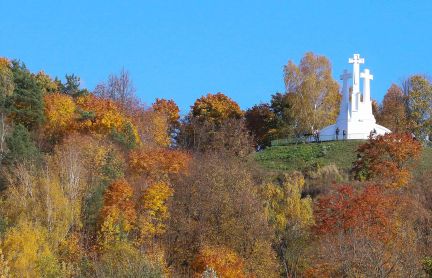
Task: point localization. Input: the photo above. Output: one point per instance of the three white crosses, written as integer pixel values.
(356, 75)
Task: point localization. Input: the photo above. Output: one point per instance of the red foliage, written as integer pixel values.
(158, 162)
(370, 212)
(387, 159)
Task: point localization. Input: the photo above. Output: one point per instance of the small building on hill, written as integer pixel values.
(355, 120)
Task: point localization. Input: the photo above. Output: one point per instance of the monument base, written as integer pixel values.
(353, 131)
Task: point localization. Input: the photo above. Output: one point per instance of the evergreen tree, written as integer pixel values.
(21, 146)
(26, 104)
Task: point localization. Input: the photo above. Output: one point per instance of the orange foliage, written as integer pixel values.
(215, 108)
(118, 213)
(102, 116)
(370, 212)
(387, 159)
(4, 62)
(158, 162)
(168, 108)
(223, 260)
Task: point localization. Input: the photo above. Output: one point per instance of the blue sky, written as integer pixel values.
(184, 49)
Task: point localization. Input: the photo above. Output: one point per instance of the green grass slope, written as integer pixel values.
(304, 156)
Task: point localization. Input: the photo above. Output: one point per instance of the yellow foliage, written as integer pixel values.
(160, 130)
(285, 206)
(27, 250)
(215, 108)
(45, 82)
(40, 199)
(4, 266)
(59, 113)
(153, 128)
(7, 84)
(154, 210)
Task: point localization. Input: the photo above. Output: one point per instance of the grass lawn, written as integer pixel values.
(303, 156)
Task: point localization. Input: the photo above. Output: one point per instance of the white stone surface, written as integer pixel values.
(355, 116)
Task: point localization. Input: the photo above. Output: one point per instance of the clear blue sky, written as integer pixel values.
(184, 49)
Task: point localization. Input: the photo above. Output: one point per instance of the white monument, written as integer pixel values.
(355, 120)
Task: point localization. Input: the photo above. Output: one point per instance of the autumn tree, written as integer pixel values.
(418, 93)
(122, 259)
(60, 115)
(231, 136)
(223, 261)
(47, 85)
(291, 217)
(261, 122)
(313, 93)
(28, 251)
(153, 211)
(392, 113)
(215, 108)
(153, 128)
(157, 164)
(171, 111)
(118, 215)
(102, 116)
(217, 204)
(387, 159)
(360, 234)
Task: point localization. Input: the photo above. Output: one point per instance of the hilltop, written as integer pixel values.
(307, 155)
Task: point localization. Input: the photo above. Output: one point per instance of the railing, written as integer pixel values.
(312, 138)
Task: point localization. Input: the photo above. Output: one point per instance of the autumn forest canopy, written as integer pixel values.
(93, 183)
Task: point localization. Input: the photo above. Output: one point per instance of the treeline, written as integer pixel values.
(96, 184)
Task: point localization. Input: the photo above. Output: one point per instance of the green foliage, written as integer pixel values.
(26, 104)
(21, 146)
(126, 137)
(302, 157)
(114, 166)
(72, 86)
(427, 266)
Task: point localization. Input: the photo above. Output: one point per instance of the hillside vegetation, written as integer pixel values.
(301, 157)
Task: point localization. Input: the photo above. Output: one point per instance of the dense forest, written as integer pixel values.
(94, 183)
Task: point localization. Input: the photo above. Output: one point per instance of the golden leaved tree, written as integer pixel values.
(314, 94)
(291, 217)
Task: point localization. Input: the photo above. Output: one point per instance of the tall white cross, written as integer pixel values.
(345, 76)
(344, 105)
(356, 61)
(367, 77)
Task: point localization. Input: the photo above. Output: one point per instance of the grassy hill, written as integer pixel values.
(304, 156)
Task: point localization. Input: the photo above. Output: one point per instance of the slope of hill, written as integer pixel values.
(303, 156)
